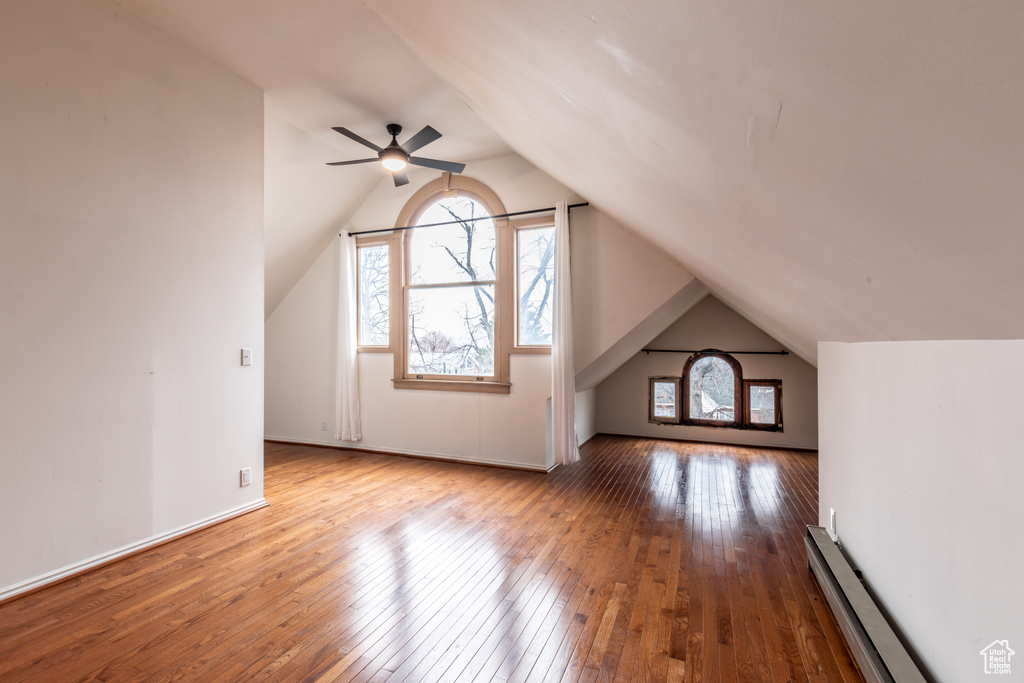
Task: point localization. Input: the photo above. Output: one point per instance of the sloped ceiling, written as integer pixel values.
(322, 63)
(834, 171)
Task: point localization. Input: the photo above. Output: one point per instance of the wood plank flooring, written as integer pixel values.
(647, 561)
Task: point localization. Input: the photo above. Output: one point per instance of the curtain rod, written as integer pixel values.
(736, 353)
(467, 220)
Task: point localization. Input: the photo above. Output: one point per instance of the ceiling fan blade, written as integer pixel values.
(421, 139)
(349, 163)
(352, 136)
(439, 165)
(400, 178)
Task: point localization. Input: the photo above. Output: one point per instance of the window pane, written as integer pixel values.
(762, 405)
(373, 295)
(463, 252)
(712, 390)
(451, 330)
(536, 277)
(665, 399)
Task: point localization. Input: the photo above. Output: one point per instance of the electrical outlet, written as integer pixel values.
(832, 520)
(245, 477)
(323, 425)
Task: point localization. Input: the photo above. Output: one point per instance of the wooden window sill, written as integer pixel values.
(453, 385)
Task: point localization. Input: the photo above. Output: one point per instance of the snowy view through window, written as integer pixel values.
(451, 293)
(664, 400)
(762, 405)
(712, 390)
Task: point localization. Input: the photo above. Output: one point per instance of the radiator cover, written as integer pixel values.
(876, 648)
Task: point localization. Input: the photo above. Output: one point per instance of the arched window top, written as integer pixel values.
(461, 252)
(428, 199)
(712, 389)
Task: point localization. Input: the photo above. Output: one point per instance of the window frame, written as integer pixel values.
(449, 185)
(651, 417)
(538, 223)
(384, 239)
(763, 426)
(738, 403)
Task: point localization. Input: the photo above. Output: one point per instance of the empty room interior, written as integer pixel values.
(455, 340)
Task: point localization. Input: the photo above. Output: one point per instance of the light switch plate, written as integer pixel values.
(246, 356)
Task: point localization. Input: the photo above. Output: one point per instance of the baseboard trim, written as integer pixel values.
(73, 571)
(412, 454)
(774, 447)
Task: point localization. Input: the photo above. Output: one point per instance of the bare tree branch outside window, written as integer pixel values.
(712, 390)
(374, 309)
(451, 295)
(536, 277)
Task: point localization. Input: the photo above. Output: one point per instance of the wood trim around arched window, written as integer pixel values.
(738, 410)
(449, 185)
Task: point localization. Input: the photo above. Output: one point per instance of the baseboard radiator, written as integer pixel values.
(878, 651)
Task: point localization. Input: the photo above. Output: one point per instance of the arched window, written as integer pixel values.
(443, 298)
(451, 291)
(713, 393)
(456, 288)
(712, 390)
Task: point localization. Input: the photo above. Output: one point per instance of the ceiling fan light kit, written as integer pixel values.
(395, 157)
(393, 160)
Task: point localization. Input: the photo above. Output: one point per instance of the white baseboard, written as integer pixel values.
(717, 442)
(70, 570)
(358, 446)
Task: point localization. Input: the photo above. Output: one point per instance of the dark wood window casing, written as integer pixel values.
(748, 421)
(737, 371)
(677, 412)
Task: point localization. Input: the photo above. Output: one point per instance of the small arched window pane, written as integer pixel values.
(712, 390)
(462, 252)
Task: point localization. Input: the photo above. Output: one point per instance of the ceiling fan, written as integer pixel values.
(396, 157)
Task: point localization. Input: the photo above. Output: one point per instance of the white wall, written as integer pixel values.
(131, 274)
(618, 280)
(586, 415)
(622, 398)
(501, 429)
(305, 200)
(921, 460)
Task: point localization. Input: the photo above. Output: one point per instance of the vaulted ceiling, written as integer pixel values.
(834, 171)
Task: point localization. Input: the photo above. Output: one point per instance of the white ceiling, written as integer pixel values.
(835, 171)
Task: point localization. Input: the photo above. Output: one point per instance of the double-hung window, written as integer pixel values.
(451, 292)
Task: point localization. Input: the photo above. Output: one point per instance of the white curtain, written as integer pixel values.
(347, 425)
(564, 447)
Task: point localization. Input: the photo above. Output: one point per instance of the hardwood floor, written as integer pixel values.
(649, 560)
